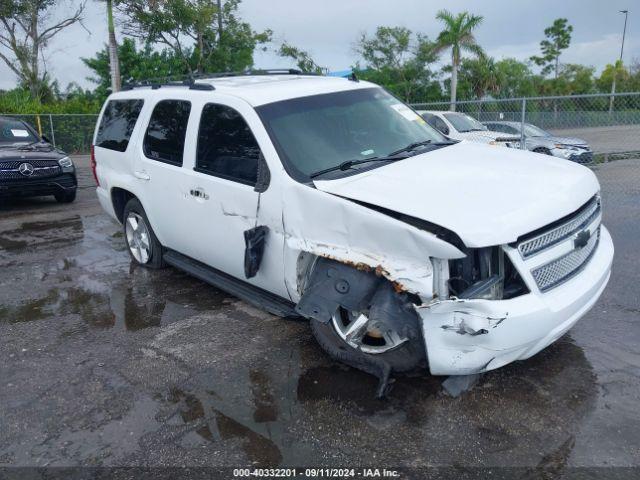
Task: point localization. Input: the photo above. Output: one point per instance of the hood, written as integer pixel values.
(568, 140)
(486, 195)
(7, 154)
(487, 136)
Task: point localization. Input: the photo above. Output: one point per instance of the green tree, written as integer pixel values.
(622, 76)
(458, 36)
(27, 28)
(303, 59)
(396, 59)
(478, 77)
(558, 39)
(202, 35)
(575, 79)
(135, 65)
(515, 79)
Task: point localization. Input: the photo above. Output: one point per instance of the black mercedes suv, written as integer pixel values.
(30, 166)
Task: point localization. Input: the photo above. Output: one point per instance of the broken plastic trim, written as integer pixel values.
(332, 285)
(484, 273)
(483, 288)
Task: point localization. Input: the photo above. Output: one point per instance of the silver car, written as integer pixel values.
(541, 141)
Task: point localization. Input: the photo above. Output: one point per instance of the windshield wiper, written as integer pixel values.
(350, 163)
(414, 145)
(28, 145)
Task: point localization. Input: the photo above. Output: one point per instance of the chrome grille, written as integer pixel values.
(583, 217)
(14, 164)
(562, 269)
(41, 168)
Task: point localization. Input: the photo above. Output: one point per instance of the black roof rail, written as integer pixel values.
(189, 80)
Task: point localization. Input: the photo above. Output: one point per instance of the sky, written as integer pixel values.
(328, 30)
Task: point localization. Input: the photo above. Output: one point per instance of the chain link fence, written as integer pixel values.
(72, 133)
(608, 126)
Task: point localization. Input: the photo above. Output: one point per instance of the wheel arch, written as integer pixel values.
(119, 198)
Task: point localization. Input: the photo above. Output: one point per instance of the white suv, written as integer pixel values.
(461, 126)
(330, 199)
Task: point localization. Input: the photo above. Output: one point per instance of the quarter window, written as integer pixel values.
(226, 145)
(118, 120)
(165, 137)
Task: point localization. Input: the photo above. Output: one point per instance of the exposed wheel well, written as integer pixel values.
(119, 198)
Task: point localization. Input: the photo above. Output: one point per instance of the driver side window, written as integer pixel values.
(226, 145)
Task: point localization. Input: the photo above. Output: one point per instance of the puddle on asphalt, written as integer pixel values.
(159, 299)
(528, 408)
(33, 235)
(215, 426)
(86, 271)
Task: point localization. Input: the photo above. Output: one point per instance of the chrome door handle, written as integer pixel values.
(199, 193)
(142, 175)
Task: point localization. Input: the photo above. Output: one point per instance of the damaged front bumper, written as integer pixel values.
(471, 336)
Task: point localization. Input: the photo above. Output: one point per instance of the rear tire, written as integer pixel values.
(65, 197)
(142, 244)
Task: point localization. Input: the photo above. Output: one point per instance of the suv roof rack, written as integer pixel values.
(189, 80)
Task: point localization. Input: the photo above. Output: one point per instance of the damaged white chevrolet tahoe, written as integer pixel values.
(328, 198)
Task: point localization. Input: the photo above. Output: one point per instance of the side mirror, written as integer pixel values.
(45, 138)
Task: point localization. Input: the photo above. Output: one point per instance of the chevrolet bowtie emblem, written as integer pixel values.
(581, 239)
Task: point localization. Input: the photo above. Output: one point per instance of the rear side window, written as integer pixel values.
(226, 145)
(164, 140)
(118, 120)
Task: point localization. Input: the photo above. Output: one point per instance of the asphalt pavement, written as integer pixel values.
(106, 364)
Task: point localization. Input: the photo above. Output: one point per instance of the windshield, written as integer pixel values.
(322, 131)
(533, 131)
(15, 132)
(464, 123)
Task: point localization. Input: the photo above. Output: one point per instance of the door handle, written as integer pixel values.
(199, 193)
(142, 175)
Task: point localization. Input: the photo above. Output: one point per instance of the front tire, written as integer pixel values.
(142, 243)
(404, 355)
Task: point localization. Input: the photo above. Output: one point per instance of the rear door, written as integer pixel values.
(159, 172)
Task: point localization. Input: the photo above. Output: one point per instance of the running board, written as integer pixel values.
(243, 290)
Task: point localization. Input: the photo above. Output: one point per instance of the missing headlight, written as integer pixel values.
(485, 273)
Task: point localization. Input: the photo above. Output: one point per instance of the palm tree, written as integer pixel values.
(114, 62)
(458, 35)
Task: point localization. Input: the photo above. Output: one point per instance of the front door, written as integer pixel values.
(223, 202)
